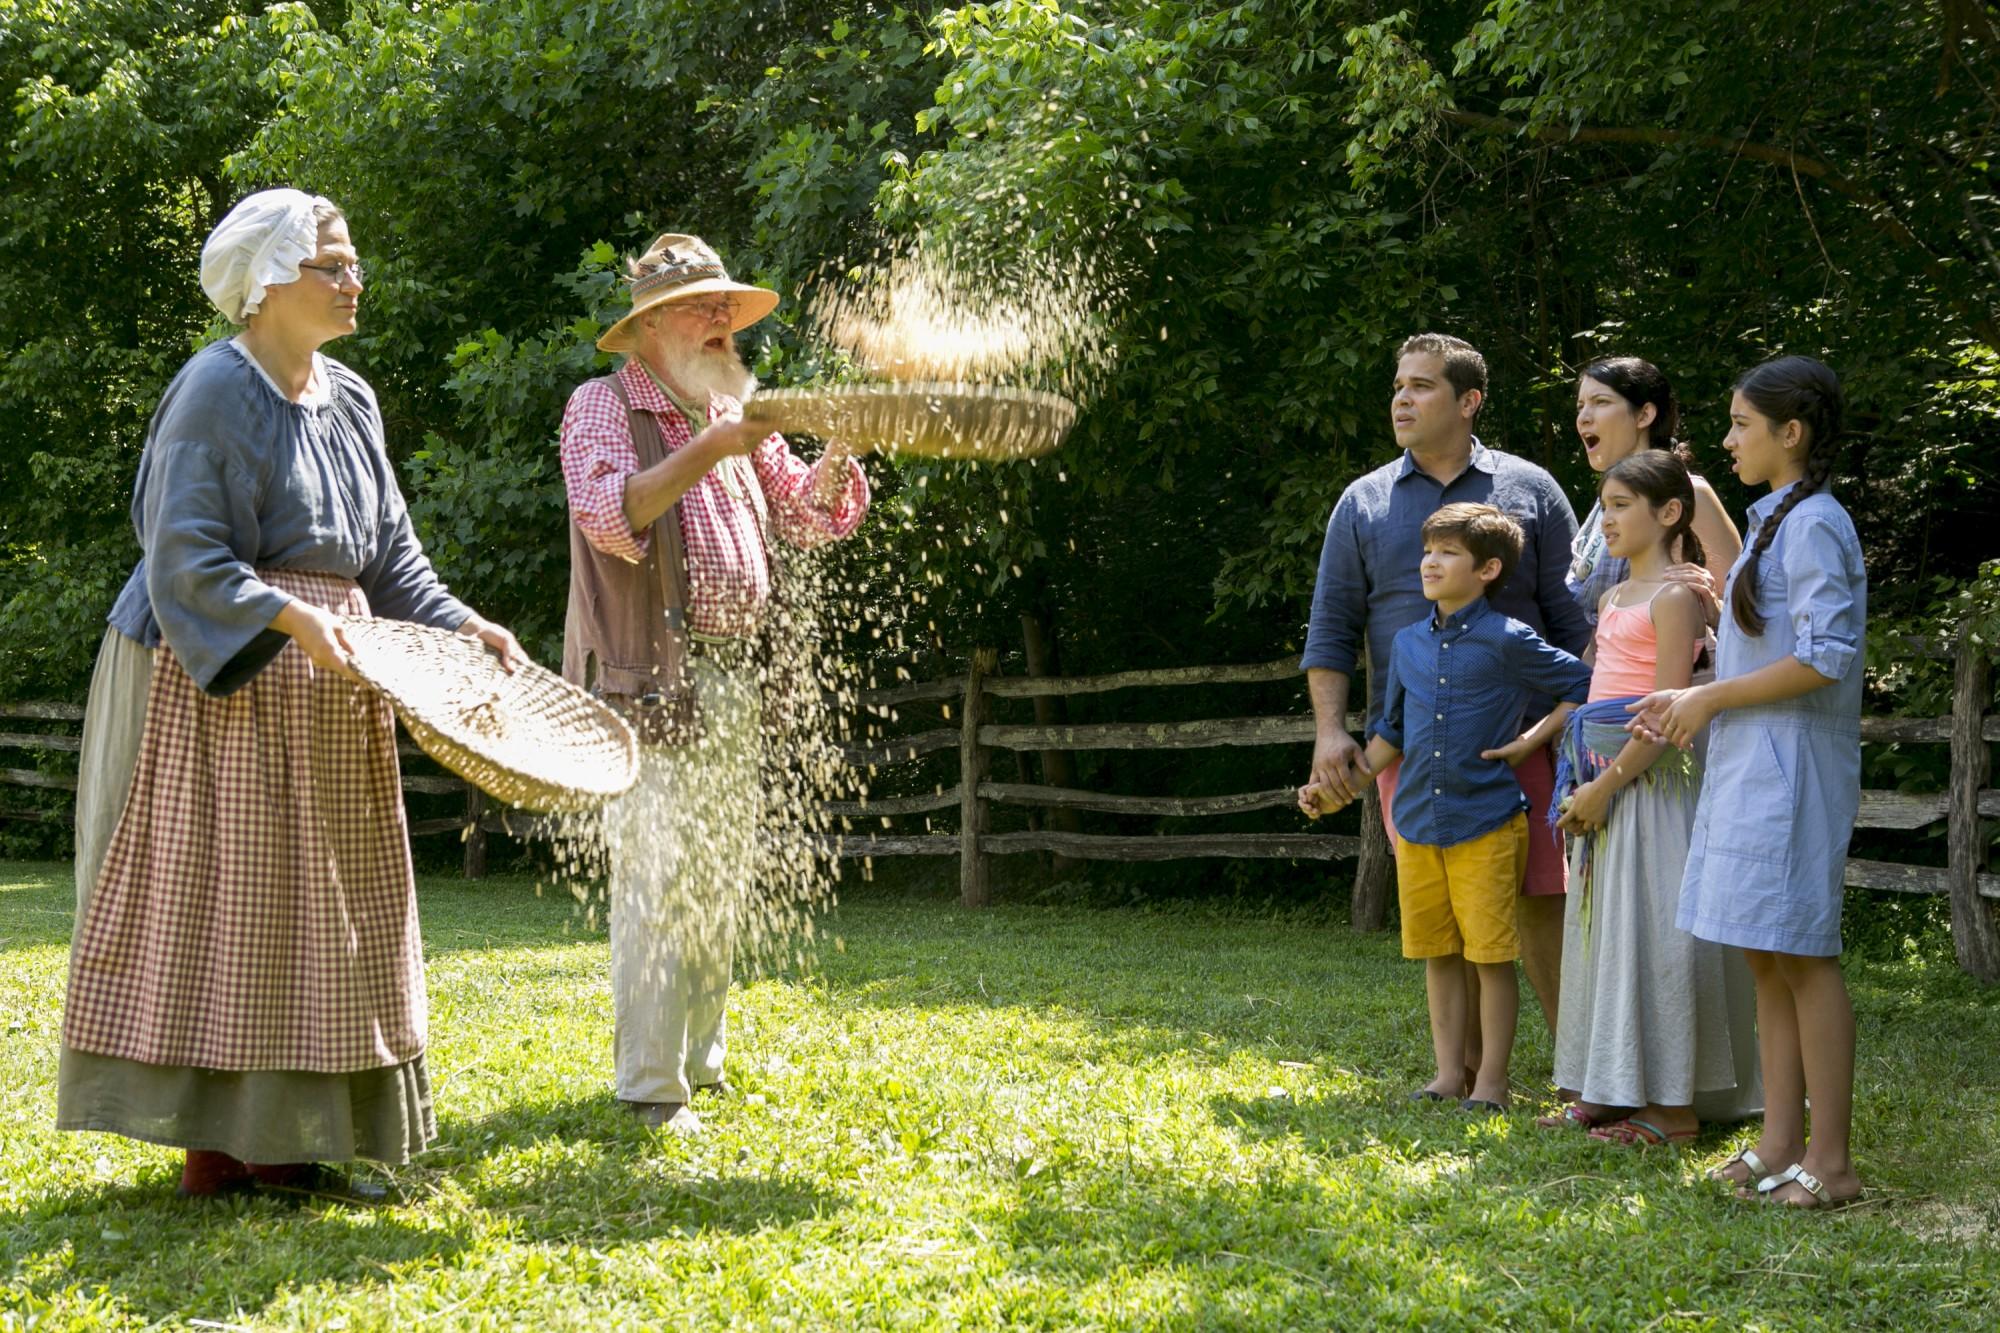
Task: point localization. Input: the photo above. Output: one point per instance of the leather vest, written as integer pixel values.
(625, 637)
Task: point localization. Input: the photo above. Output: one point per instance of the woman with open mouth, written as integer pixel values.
(1625, 404)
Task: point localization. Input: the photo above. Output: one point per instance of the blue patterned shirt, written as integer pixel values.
(1368, 582)
(1457, 685)
(1593, 571)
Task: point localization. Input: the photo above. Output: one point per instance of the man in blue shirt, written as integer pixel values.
(1453, 697)
(1368, 587)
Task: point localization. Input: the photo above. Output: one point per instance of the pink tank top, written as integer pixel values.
(1628, 651)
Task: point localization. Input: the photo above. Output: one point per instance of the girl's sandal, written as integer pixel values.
(1754, 1167)
(1632, 1133)
(1768, 1187)
(1571, 1116)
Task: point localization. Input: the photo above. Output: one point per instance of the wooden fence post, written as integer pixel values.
(1374, 868)
(475, 833)
(1975, 934)
(974, 887)
(1375, 863)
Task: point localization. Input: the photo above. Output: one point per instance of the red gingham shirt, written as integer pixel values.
(724, 516)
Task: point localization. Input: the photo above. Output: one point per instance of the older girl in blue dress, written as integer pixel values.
(1783, 787)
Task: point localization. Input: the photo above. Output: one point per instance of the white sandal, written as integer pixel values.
(1768, 1187)
(1749, 1158)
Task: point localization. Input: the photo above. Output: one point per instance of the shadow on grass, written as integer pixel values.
(159, 1256)
(584, 1170)
(1340, 1125)
(1367, 1125)
(573, 1173)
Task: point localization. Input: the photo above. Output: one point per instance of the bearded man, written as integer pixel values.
(673, 500)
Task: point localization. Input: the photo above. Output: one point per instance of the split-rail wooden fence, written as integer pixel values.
(965, 705)
(479, 819)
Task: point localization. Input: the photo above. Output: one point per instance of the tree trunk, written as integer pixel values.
(1974, 934)
(1058, 768)
(975, 888)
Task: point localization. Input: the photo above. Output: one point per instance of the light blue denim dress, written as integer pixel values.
(1768, 854)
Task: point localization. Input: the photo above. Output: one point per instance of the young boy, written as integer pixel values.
(1457, 686)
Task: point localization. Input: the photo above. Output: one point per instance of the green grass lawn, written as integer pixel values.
(1024, 1118)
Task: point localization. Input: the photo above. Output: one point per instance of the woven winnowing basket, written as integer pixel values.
(931, 420)
(530, 739)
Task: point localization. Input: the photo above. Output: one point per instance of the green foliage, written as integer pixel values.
(116, 118)
(1271, 195)
(1254, 288)
(1923, 683)
(491, 509)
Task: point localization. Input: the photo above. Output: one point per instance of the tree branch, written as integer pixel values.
(1798, 162)
(1878, 209)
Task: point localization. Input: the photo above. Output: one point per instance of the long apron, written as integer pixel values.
(248, 973)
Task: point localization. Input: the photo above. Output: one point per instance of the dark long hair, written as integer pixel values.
(1657, 476)
(1640, 382)
(1792, 388)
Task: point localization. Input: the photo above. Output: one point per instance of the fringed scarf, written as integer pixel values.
(1591, 740)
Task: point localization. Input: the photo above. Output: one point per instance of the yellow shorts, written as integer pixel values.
(1460, 899)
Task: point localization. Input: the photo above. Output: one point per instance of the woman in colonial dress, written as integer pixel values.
(246, 981)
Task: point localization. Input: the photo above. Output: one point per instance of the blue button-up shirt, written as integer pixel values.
(1457, 685)
(1767, 857)
(1368, 581)
(1813, 591)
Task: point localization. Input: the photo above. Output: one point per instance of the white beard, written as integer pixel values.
(702, 373)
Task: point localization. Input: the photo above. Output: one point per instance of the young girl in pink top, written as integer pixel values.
(1651, 1017)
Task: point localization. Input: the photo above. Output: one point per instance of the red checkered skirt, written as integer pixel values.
(256, 909)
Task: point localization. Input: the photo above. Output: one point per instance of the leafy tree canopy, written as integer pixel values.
(1275, 193)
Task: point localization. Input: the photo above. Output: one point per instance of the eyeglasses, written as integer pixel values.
(333, 272)
(722, 307)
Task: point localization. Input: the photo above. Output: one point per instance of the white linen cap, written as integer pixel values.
(260, 244)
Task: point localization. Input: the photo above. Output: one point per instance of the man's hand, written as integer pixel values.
(497, 637)
(1337, 767)
(1516, 751)
(830, 474)
(1315, 800)
(319, 634)
(733, 434)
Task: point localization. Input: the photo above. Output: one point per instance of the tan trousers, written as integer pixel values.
(114, 717)
(681, 847)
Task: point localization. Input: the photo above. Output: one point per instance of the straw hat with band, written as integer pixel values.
(677, 267)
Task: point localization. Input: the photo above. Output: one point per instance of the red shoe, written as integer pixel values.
(207, 1174)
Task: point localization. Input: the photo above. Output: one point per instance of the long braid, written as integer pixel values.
(1793, 388)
